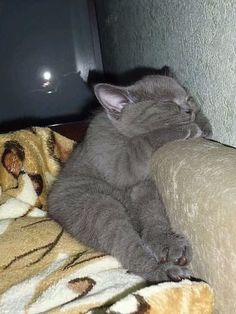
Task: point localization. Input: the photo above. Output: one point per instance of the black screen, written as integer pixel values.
(44, 45)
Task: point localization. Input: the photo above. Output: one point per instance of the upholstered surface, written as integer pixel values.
(197, 181)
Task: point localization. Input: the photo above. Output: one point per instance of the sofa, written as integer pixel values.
(197, 182)
(44, 270)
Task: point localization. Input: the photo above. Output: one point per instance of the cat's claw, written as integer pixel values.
(166, 272)
(177, 273)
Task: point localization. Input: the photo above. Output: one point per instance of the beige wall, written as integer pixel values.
(196, 38)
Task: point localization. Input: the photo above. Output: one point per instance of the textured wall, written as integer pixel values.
(196, 38)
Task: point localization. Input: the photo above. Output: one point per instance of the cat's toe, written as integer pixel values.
(179, 250)
(163, 256)
(179, 255)
(182, 261)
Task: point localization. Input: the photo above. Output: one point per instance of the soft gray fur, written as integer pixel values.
(104, 195)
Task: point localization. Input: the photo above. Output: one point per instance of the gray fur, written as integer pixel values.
(104, 195)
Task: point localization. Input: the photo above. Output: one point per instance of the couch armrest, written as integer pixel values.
(197, 181)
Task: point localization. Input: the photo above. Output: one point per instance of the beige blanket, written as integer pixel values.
(45, 270)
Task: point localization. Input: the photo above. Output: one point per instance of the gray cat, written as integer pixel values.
(104, 195)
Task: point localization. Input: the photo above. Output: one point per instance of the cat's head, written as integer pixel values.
(154, 102)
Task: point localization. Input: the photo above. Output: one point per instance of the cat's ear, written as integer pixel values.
(165, 70)
(112, 98)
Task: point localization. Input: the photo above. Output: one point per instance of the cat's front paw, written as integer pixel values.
(172, 248)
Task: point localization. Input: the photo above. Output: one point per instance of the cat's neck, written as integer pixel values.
(123, 161)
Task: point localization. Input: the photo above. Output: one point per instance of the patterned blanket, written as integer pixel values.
(43, 269)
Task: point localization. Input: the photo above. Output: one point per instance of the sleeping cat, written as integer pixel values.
(104, 195)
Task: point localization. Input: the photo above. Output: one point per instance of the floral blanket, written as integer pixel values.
(43, 269)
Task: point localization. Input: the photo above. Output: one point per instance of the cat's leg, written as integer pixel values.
(169, 248)
(93, 213)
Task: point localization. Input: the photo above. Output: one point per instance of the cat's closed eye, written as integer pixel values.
(188, 111)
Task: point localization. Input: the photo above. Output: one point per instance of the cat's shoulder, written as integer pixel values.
(101, 128)
(100, 120)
